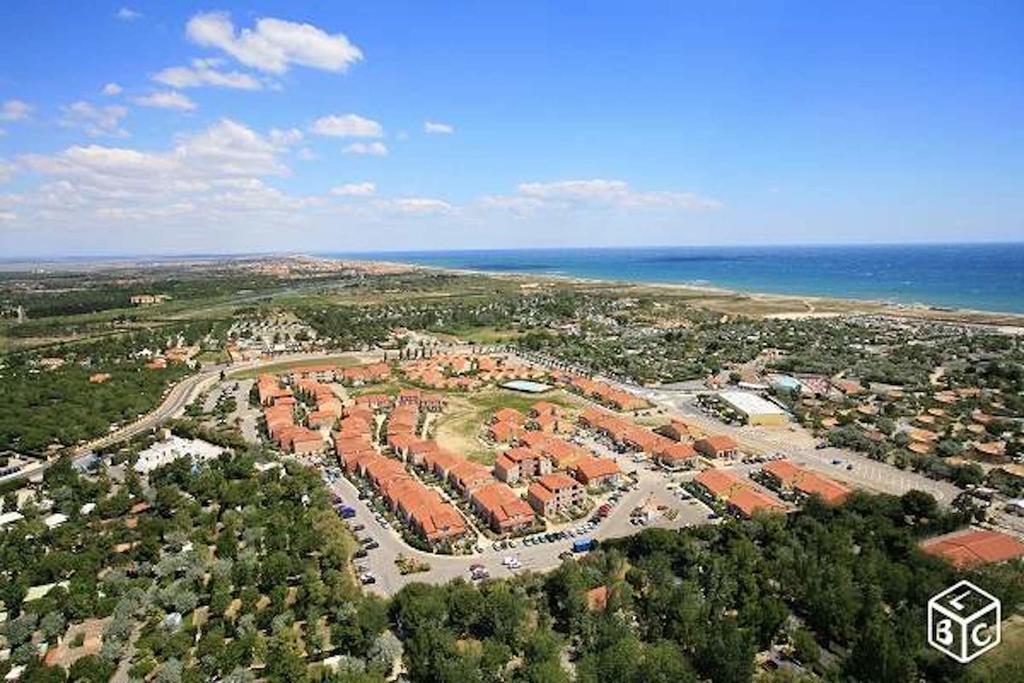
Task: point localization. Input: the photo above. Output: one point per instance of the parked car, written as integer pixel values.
(368, 579)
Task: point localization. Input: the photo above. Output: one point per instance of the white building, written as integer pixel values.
(10, 517)
(55, 520)
(754, 409)
(172, 448)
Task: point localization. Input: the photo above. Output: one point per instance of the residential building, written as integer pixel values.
(555, 493)
(502, 508)
(740, 496)
(592, 471)
(520, 463)
(971, 548)
(717, 446)
(790, 476)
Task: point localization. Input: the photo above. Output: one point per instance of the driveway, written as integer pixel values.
(541, 557)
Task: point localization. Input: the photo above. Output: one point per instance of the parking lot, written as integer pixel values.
(798, 445)
(662, 505)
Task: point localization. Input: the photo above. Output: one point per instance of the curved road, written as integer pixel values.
(178, 397)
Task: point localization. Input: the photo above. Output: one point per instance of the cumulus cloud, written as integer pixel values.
(215, 177)
(355, 189)
(204, 72)
(347, 126)
(274, 45)
(15, 110)
(128, 14)
(219, 154)
(167, 99)
(373, 149)
(95, 121)
(436, 128)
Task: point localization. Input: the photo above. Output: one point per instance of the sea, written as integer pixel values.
(988, 277)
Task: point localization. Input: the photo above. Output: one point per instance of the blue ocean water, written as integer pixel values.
(978, 276)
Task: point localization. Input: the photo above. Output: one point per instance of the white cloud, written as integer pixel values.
(614, 193)
(6, 171)
(574, 189)
(95, 121)
(347, 126)
(274, 45)
(235, 149)
(373, 149)
(214, 178)
(111, 89)
(218, 155)
(355, 189)
(128, 14)
(306, 154)
(285, 137)
(438, 128)
(167, 99)
(204, 72)
(417, 205)
(15, 110)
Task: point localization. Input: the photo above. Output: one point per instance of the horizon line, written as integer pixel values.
(282, 253)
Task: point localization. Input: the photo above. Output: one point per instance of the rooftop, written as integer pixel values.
(973, 547)
(750, 404)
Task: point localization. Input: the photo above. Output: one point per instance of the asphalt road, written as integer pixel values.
(798, 445)
(651, 490)
(178, 397)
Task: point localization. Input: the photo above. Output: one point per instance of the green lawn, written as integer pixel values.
(458, 429)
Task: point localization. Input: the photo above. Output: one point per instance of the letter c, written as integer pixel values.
(980, 642)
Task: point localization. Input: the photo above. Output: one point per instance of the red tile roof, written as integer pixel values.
(807, 482)
(973, 547)
(594, 469)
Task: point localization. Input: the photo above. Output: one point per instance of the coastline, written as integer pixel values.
(815, 306)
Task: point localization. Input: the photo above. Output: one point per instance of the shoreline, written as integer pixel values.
(1002, 321)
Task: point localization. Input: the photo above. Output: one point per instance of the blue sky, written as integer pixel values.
(183, 127)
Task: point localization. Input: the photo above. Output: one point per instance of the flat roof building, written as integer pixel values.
(754, 409)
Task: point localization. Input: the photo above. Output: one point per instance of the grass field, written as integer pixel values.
(276, 368)
(1006, 661)
(480, 335)
(459, 428)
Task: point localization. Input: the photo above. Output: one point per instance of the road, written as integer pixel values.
(799, 446)
(651, 488)
(177, 397)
